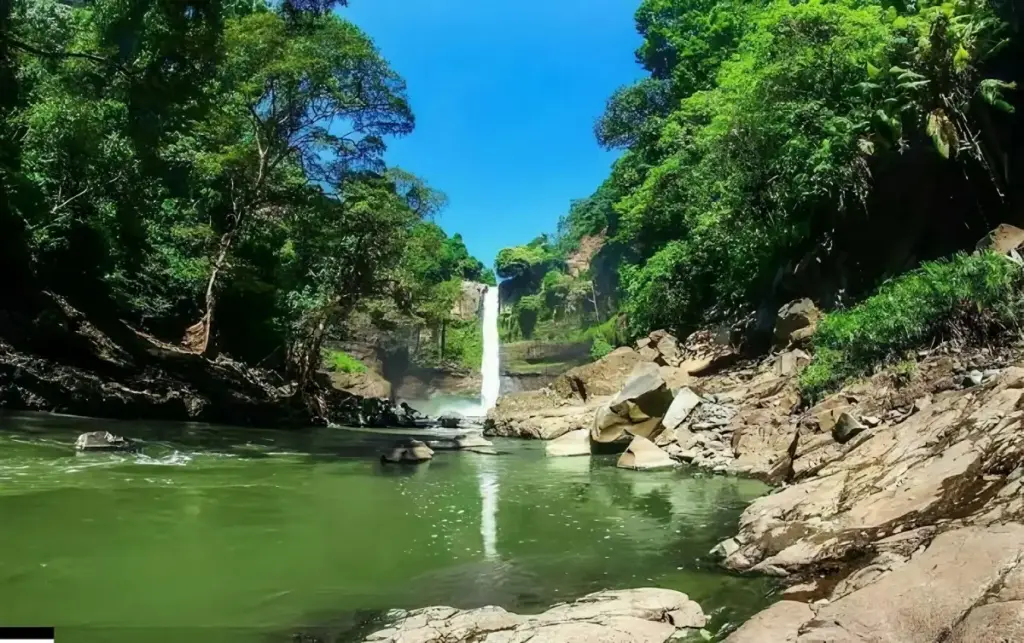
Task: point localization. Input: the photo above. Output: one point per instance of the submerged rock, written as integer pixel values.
(628, 616)
(102, 441)
(407, 452)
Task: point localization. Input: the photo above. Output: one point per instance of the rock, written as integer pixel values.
(451, 421)
(636, 410)
(644, 454)
(925, 598)
(606, 376)
(847, 428)
(470, 302)
(407, 452)
(472, 441)
(780, 623)
(368, 383)
(894, 478)
(791, 362)
(102, 441)
(762, 442)
(683, 404)
(974, 378)
(572, 443)
(794, 316)
(626, 616)
(726, 548)
(537, 414)
(704, 366)
(1002, 239)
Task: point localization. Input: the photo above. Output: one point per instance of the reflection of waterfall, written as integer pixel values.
(490, 366)
(488, 479)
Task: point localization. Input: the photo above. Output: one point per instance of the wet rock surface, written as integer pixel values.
(626, 616)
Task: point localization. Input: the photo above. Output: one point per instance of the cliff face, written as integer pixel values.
(394, 355)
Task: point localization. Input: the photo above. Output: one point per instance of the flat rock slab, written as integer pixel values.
(780, 623)
(572, 443)
(644, 454)
(923, 600)
(647, 615)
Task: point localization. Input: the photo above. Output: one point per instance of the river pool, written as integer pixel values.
(224, 534)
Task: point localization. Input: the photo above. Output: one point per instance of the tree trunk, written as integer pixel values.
(197, 336)
(597, 309)
(444, 332)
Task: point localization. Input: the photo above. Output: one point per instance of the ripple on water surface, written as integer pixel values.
(219, 534)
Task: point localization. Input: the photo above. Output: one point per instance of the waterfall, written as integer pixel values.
(489, 367)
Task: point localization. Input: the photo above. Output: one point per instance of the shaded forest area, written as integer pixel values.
(186, 181)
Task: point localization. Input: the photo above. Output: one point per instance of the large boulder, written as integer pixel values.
(637, 409)
(682, 406)
(407, 452)
(102, 441)
(795, 322)
(603, 377)
(572, 443)
(538, 415)
(661, 348)
(627, 616)
(365, 384)
(643, 454)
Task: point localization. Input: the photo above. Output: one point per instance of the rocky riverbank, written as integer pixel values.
(899, 504)
(628, 616)
(58, 359)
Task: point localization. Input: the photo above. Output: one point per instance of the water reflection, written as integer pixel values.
(487, 476)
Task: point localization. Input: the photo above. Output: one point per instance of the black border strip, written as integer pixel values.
(27, 633)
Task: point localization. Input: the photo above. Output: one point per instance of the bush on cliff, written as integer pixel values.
(342, 362)
(965, 298)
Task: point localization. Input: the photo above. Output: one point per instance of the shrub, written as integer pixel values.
(964, 298)
(340, 361)
(600, 347)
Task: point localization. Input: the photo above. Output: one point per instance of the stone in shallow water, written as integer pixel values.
(572, 443)
(102, 441)
(646, 615)
(644, 454)
(407, 452)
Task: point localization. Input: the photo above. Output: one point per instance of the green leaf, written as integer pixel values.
(961, 60)
(873, 71)
(942, 132)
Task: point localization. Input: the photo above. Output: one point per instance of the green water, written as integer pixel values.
(217, 534)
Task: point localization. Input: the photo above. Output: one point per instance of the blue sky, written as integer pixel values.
(505, 95)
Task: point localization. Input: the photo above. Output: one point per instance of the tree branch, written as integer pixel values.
(26, 47)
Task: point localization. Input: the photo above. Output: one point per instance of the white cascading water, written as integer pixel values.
(490, 373)
(490, 370)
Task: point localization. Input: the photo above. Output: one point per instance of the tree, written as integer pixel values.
(289, 91)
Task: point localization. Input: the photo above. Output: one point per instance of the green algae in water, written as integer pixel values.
(216, 534)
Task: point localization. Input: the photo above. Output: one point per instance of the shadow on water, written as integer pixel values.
(155, 438)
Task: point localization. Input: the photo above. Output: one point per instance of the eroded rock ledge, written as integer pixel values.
(910, 530)
(627, 616)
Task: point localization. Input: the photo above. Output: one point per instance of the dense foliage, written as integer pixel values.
(966, 297)
(783, 149)
(220, 162)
